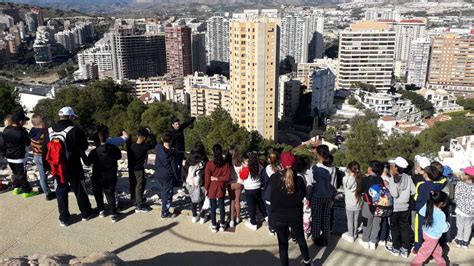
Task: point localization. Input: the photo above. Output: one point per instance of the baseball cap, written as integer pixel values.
(400, 162)
(469, 170)
(287, 160)
(422, 161)
(67, 111)
(20, 116)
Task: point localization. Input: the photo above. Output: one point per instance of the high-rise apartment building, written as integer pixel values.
(451, 63)
(382, 14)
(406, 31)
(65, 39)
(217, 39)
(419, 56)
(366, 54)
(254, 56)
(289, 90)
(135, 54)
(31, 23)
(302, 36)
(199, 51)
(38, 16)
(100, 55)
(178, 50)
(207, 93)
(322, 97)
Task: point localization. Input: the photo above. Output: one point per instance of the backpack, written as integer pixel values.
(196, 191)
(380, 200)
(57, 153)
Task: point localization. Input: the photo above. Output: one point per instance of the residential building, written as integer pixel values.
(441, 100)
(154, 28)
(31, 23)
(199, 51)
(100, 55)
(136, 55)
(38, 16)
(29, 97)
(254, 57)
(178, 50)
(451, 63)
(4, 54)
(66, 40)
(208, 93)
(406, 31)
(42, 45)
(419, 56)
(460, 154)
(366, 54)
(83, 33)
(157, 84)
(382, 14)
(217, 39)
(302, 36)
(305, 71)
(289, 90)
(7, 20)
(323, 87)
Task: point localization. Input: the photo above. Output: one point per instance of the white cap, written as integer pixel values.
(400, 162)
(422, 161)
(67, 111)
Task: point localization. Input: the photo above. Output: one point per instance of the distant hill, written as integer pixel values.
(17, 11)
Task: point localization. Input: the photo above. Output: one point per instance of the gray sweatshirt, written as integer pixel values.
(350, 187)
(401, 192)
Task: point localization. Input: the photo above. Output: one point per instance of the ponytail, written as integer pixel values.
(325, 154)
(288, 178)
(437, 198)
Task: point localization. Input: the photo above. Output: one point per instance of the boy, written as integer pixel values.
(37, 135)
(16, 141)
(137, 158)
(166, 172)
(104, 173)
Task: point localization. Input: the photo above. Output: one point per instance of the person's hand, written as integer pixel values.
(385, 182)
(213, 178)
(125, 134)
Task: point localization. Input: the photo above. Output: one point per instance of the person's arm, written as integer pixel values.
(117, 153)
(187, 123)
(174, 167)
(207, 176)
(226, 176)
(91, 158)
(184, 172)
(302, 187)
(412, 187)
(80, 140)
(393, 188)
(117, 141)
(26, 138)
(152, 141)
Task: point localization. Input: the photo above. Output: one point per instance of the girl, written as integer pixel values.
(287, 193)
(325, 177)
(193, 177)
(234, 187)
(351, 182)
(434, 226)
(217, 174)
(465, 208)
(253, 189)
(302, 165)
(272, 167)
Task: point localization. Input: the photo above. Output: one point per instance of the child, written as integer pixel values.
(217, 174)
(253, 189)
(104, 173)
(465, 208)
(302, 166)
(350, 182)
(137, 154)
(434, 226)
(166, 172)
(234, 187)
(272, 168)
(193, 178)
(432, 181)
(37, 136)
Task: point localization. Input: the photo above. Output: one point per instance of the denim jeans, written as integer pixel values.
(43, 178)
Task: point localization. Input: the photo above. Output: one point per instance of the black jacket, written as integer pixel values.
(16, 140)
(104, 162)
(178, 135)
(138, 153)
(76, 143)
(287, 208)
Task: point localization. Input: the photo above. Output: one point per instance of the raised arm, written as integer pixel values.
(186, 124)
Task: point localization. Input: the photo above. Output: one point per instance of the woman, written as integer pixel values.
(287, 193)
(272, 167)
(351, 182)
(325, 176)
(253, 189)
(234, 187)
(216, 176)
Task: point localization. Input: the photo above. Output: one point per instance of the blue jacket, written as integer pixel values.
(325, 181)
(439, 226)
(165, 164)
(423, 190)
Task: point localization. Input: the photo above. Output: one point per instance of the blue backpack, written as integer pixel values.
(380, 200)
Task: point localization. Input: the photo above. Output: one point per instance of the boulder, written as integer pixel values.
(100, 258)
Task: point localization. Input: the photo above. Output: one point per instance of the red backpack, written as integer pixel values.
(57, 153)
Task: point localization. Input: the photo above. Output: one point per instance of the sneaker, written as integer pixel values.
(194, 219)
(237, 221)
(29, 194)
(372, 246)
(222, 227)
(393, 251)
(465, 244)
(307, 263)
(17, 191)
(202, 220)
(348, 238)
(86, 217)
(251, 226)
(266, 219)
(458, 243)
(271, 232)
(114, 218)
(169, 216)
(102, 214)
(50, 196)
(231, 224)
(404, 253)
(142, 209)
(364, 244)
(214, 228)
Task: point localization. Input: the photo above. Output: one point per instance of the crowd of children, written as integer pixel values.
(291, 194)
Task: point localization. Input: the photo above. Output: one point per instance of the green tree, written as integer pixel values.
(8, 101)
(404, 145)
(421, 103)
(468, 103)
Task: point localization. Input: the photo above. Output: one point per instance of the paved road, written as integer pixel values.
(30, 226)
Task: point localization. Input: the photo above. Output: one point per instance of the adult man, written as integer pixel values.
(177, 130)
(72, 176)
(16, 143)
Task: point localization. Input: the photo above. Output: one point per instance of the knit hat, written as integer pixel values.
(287, 160)
(469, 171)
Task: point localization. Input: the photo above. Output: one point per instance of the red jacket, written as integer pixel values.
(216, 189)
